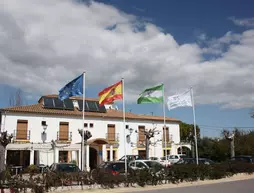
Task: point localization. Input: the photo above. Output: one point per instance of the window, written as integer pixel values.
(132, 164)
(91, 125)
(63, 156)
(167, 134)
(119, 167)
(153, 164)
(164, 152)
(64, 131)
(142, 154)
(85, 125)
(114, 155)
(111, 136)
(141, 133)
(21, 132)
(140, 165)
(67, 168)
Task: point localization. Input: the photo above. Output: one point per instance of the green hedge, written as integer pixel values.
(40, 183)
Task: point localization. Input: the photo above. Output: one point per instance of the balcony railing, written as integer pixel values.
(141, 143)
(166, 144)
(21, 136)
(62, 137)
(112, 137)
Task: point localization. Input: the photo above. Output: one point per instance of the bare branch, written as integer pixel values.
(16, 98)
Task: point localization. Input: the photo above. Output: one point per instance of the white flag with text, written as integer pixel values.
(179, 100)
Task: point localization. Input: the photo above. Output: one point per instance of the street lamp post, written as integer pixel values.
(87, 135)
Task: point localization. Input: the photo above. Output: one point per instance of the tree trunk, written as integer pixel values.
(147, 148)
(232, 147)
(2, 158)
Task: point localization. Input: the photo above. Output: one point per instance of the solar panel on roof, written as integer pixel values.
(48, 102)
(80, 104)
(68, 104)
(102, 108)
(92, 106)
(58, 103)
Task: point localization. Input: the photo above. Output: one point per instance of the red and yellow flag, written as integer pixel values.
(110, 94)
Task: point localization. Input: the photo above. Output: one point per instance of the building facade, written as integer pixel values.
(47, 132)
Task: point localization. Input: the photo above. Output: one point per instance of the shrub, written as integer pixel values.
(176, 174)
(74, 162)
(32, 169)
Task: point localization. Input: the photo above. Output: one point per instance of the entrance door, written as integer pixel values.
(63, 157)
(142, 153)
(92, 158)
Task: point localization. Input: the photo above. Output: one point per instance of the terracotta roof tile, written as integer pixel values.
(114, 114)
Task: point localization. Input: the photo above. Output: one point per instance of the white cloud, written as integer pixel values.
(45, 44)
(247, 22)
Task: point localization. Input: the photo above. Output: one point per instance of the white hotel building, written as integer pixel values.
(61, 121)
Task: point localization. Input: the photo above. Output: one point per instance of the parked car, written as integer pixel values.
(164, 162)
(243, 158)
(154, 158)
(131, 158)
(193, 161)
(111, 168)
(64, 167)
(175, 158)
(152, 165)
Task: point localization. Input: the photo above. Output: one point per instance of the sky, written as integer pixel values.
(207, 45)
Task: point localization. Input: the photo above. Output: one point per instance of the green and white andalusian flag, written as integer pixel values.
(152, 95)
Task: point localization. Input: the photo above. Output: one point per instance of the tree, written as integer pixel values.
(213, 148)
(187, 132)
(230, 137)
(16, 98)
(5, 139)
(149, 134)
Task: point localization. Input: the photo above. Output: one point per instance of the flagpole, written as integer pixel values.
(83, 126)
(195, 127)
(124, 128)
(164, 122)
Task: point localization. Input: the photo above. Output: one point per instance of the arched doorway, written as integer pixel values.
(184, 150)
(95, 151)
(93, 158)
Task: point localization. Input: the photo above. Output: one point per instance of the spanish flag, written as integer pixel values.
(110, 94)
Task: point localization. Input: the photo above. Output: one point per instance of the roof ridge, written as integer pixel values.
(13, 107)
(110, 113)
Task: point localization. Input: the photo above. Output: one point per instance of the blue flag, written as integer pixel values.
(73, 88)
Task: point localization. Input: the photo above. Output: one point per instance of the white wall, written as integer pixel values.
(99, 130)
